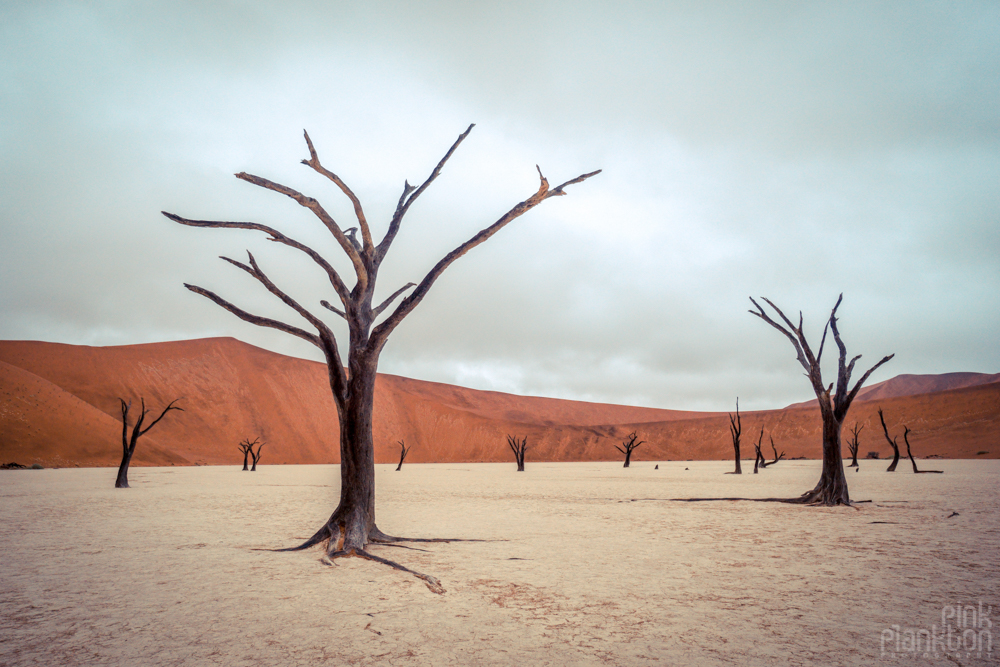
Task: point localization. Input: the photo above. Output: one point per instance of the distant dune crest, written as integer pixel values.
(59, 407)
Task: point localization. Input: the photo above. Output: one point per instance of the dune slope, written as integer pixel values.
(61, 408)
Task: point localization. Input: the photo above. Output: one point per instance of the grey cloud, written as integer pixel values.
(795, 151)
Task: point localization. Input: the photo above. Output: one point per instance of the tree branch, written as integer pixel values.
(382, 331)
(385, 304)
(255, 319)
(162, 414)
(326, 304)
(308, 202)
(366, 234)
(410, 195)
(256, 272)
(788, 334)
(278, 237)
(861, 382)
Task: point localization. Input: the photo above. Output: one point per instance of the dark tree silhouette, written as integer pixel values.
(853, 445)
(403, 451)
(832, 486)
(735, 428)
(351, 527)
(906, 439)
(129, 442)
(629, 446)
(256, 456)
(518, 448)
(777, 456)
(245, 447)
(892, 443)
(758, 457)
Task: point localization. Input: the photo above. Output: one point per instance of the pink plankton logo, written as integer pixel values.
(965, 631)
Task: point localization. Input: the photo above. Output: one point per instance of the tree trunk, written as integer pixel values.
(628, 458)
(355, 515)
(246, 455)
(832, 486)
(122, 481)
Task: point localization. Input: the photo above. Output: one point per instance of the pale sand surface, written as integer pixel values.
(576, 573)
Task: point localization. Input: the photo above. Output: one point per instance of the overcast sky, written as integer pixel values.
(792, 150)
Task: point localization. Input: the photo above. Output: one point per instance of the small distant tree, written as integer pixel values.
(256, 456)
(518, 448)
(629, 446)
(853, 444)
(735, 428)
(758, 457)
(129, 442)
(403, 451)
(833, 405)
(245, 447)
(906, 439)
(892, 443)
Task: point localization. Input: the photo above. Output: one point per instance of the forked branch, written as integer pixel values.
(308, 202)
(368, 247)
(256, 319)
(410, 194)
(382, 331)
(335, 280)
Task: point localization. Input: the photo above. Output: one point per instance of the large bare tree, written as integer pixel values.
(833, 405)
(351, 527)
(130, 441)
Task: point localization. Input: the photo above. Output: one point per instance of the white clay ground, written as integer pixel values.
(584, 564)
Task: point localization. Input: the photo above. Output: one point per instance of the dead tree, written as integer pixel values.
(892, 443)
(351, 527)
(853, 445)
(777, 456)
(735, 428)
(832, 486)
(256, 456)
(629, 446)
(129, 441)
(906, 432)
(758, 457)
(518, 448)
(403, 451)
(245, 447)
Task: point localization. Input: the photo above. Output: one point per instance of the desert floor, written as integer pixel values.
(582, 564)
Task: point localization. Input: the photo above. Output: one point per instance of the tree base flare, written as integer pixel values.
(355, 546)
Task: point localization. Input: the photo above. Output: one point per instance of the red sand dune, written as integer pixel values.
(59, 406)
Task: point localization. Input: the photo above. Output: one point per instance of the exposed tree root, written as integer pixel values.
(432, 582)
(344, 547)
(804, 500)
